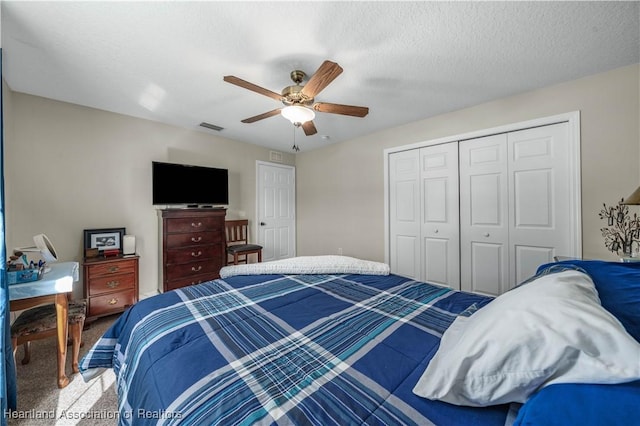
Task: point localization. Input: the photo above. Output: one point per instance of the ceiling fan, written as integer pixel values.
(299, 100)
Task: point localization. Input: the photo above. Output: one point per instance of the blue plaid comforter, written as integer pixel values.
(275, 349)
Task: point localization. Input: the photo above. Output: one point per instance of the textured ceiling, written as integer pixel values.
(406, 61)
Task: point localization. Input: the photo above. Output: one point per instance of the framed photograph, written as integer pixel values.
(103, 239)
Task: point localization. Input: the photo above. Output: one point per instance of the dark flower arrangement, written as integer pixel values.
(623, 230)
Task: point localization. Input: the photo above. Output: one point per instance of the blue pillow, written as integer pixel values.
(582, 404)
(618, 286)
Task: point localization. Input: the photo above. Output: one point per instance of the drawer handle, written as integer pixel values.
(113, 301)
(194, 283)
(194, 269)
(196, 225)
(114, 269)
(113, 284)
(194, 254)
(196, 240)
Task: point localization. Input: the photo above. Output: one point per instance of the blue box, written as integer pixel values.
(24, 276)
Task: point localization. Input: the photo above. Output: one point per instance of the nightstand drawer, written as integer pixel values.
(111, 283)
(109, 303)
(111, 268)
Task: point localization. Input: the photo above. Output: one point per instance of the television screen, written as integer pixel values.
(185, 184)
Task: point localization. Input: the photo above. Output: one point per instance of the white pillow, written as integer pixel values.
(552, 330)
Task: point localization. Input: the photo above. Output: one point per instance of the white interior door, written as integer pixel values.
(276, 210)
(440, 227)
(540, 218)
(484, 215)
(404, 213)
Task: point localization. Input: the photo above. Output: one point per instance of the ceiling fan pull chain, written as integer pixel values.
(295, 147)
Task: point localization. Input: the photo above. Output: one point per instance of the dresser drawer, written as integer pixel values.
(111, 283)
(194, 239)
(193, 224)
(110, 303)
(191, 254)
(197, 279)
(191, 269)
(111, 268)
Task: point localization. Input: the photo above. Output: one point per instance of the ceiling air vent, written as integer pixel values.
(275, 156)
(211, 126)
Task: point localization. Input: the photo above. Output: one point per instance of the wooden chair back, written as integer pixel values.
(236, 231)
(238, 247)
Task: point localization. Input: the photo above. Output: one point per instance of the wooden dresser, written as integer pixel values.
(110, 285)
(193, 246)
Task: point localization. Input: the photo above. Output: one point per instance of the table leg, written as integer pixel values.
(62, 319)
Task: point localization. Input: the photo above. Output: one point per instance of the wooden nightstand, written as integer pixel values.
(110, 285)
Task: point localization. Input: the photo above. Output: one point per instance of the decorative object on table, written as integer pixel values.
(21, 269)
(19, 276)
(129, 245)
(623, 230)
(104, 239)
(91, 253)
(42, 245)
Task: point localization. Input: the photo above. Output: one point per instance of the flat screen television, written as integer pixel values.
(191, 185)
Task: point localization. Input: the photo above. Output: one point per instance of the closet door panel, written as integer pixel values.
(484, 227)
(404, 213)
(487, 268)
(440, 225)
(540, 218)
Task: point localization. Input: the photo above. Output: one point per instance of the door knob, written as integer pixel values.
(262, 224)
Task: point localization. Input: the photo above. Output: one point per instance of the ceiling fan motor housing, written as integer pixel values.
(292, 95)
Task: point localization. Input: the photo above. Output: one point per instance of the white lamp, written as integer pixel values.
(44, 246)
(297, 114)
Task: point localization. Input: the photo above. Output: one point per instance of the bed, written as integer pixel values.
(334, 340)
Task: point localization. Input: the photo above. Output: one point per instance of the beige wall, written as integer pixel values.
(340, 191)
(69, 168)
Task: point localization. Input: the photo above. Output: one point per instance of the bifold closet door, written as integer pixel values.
(484, 215)
(515, 193)
(540, 211)
(404, 213)
(440, 228)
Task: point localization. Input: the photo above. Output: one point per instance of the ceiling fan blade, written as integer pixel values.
(262, 116)
(309, 128)
(354, 111)
(327, 72)
(250, 86)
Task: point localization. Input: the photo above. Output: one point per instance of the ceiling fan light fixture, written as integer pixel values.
(297, 114)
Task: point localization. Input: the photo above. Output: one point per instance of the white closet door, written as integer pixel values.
(440, 229)
(484, 227)
(404, 213)
(540, 206)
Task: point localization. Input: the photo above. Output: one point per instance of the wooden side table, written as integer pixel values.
(110, 285)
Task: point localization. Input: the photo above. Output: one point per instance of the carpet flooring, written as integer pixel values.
(40, 402)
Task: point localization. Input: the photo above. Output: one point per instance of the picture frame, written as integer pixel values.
(103, 239)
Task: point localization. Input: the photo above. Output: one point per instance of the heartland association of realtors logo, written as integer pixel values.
(90, 414)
